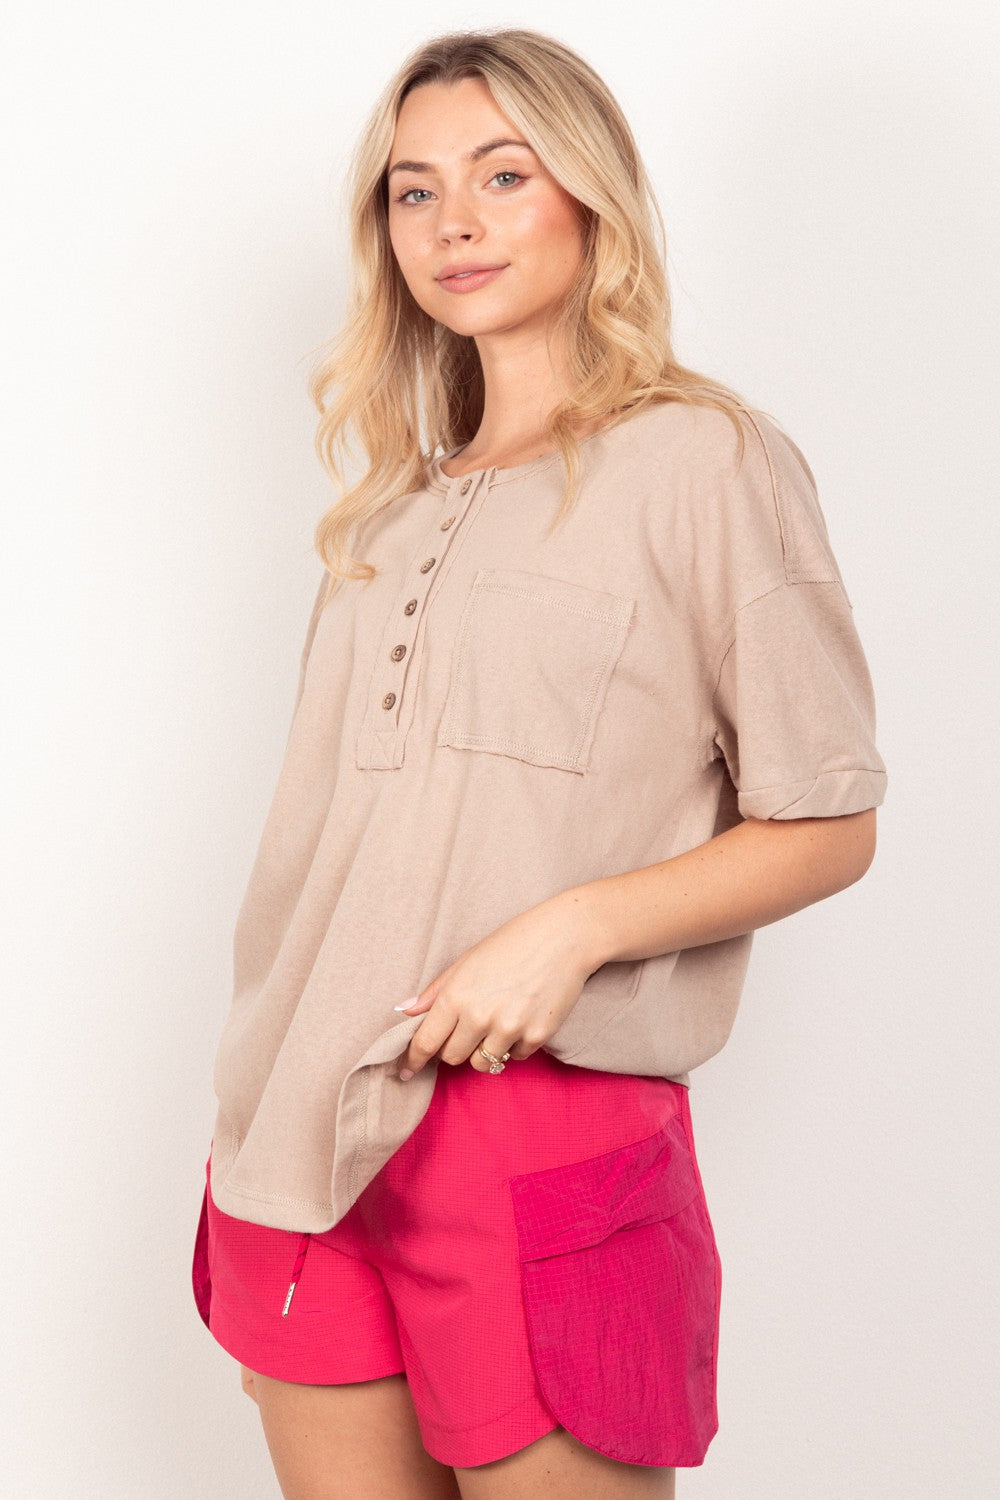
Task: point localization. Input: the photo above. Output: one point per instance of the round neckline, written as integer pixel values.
(438, 479)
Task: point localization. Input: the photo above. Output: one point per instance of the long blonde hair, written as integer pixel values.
(393, 370)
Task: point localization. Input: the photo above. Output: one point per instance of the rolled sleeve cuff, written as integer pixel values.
(831, 794)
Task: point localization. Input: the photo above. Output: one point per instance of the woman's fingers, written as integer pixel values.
(481, 1064)
(456, 1046)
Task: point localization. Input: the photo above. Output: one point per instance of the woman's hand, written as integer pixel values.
(509, 993)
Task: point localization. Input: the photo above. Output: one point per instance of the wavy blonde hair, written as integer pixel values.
(393, 370)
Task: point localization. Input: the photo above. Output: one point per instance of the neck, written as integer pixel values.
(524, 381)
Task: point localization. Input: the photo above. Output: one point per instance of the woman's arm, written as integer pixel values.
(742, 879)
(518, 984)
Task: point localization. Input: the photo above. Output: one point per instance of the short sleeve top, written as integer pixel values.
(507, 710)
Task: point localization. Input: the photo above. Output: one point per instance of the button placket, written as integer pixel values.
(379, 744)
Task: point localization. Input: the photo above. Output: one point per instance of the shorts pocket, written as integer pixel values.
(621, 1283)
(532, 661)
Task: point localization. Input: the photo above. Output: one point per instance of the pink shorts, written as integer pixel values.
(538, 1253)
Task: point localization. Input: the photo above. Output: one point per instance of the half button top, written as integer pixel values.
(465, 487)
(427, 564)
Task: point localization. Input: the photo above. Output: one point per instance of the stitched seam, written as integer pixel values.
(516, 747)
(593, 1238)
(763, 594)
(707, 756)
(582, 1161)
(501, 478)
(600, 676)
(774, 491)
(362, 1136)
(750, 791)
(239, 1192)
(610, 614)
(617, 617)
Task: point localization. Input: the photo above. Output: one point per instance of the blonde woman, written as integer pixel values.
(581, 706)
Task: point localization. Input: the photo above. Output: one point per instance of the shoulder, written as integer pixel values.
(706, 440)
(756, 498)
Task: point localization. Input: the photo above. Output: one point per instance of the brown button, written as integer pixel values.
(409, 606)
(388, 700)
(465, 486)
(446, 524)
(425, 567)
(397, 653)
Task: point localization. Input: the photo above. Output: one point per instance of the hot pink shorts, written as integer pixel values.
(538, 1253)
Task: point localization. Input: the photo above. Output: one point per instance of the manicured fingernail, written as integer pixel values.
(412, 1000)
(405, 1073)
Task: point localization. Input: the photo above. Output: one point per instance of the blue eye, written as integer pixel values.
(404, 197)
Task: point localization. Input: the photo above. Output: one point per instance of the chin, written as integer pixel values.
(484, 321)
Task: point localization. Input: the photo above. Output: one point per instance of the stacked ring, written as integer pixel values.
(496, 1063)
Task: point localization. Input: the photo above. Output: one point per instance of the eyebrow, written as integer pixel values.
(476, 154)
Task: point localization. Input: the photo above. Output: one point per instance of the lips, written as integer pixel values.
(464, 279)
(463, 268)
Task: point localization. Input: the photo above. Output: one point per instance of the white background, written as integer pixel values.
(174, 218)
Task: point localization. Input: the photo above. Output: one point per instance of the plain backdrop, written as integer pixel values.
(174, 251)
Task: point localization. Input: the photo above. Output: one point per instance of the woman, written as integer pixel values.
(583, 707)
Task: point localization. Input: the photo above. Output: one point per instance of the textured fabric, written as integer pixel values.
(499, 715)
(537, 1253)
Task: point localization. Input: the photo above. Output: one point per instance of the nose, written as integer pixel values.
(457, 218)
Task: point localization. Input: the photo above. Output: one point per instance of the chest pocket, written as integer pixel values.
(531, 666)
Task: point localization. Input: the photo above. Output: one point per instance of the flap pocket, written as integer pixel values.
(567, 1208)
(621, 1283)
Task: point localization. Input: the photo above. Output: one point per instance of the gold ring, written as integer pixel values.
(496, 1063)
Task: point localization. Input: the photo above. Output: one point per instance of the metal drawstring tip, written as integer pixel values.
(297, 1269)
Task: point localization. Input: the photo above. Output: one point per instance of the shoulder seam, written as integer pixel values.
(772, 588)
(730, 641)
(772, 475)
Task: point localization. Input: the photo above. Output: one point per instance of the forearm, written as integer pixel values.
(740, 880)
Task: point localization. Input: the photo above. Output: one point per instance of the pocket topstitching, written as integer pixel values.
(531, 666)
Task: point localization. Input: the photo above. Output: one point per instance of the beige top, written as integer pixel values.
(498, 716)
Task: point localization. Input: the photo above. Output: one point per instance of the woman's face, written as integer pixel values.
(502, 209)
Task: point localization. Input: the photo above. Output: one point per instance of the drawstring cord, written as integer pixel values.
(297, 1270)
